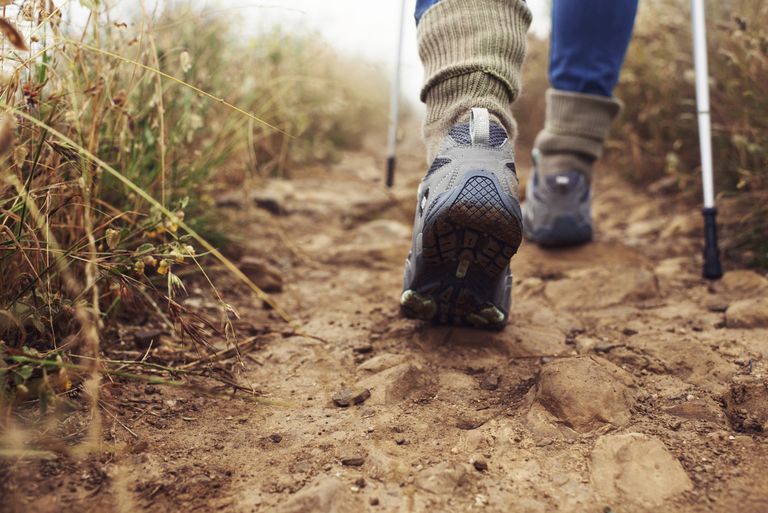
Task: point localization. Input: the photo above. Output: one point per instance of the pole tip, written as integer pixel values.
(712, 270)
(390, 171)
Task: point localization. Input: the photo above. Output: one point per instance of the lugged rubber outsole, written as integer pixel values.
(467, 244)
(564, 231)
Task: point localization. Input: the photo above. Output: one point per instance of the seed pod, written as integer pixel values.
(13, 35)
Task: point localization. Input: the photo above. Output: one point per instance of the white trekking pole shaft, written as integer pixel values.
(712, 268)
(394, 103)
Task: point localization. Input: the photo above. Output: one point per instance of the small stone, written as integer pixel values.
(276, 437)
(146, 338)
(748, 313)
(349, 396)
(266, 276)
(352, 460)
(738, 284)
(363, 349)
(480, 465)
(717, 306)
(151, 389)
(401, 441)
(373, 501)
(269, 202)
(442, 479)
(490, 382)
(360, 483)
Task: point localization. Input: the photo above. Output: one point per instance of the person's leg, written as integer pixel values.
(588, 43)
(468, 222)
(472, 52)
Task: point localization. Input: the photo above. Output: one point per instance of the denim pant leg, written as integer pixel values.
(422, 6)
(588, 43)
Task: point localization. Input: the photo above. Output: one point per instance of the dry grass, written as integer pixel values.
(657, 136)
(111, 141)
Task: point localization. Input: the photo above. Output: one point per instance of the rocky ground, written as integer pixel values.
(623, 383)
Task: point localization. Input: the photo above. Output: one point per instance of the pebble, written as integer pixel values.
(480, 465)
(262, 273)
(490, 382)
(269, 202)
(348, 396)
(748, 313)
(352, 460)
(373, 501)
(276, 437)
(144, 338)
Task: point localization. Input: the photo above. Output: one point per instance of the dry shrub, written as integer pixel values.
(104, 160)
(657, 135)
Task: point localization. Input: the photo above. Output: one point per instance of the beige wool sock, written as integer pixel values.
(575, 127)
(472, 51)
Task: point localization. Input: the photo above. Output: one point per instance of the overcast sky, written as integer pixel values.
(368, 28)
(364, 28)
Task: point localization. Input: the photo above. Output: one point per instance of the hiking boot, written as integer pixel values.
(468, 225)
(558, 207)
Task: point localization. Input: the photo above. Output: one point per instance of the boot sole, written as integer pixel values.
(467, 243)
(563, 231)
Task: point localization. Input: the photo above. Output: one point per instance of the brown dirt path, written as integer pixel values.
(623, 383)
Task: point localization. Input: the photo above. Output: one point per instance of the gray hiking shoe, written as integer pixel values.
(468, 225)
(558, 208)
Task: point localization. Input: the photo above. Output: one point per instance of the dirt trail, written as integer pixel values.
(623, 382)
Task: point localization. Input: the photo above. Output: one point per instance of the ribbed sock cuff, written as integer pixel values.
(575, 128)
(450, 101)
(472, 51)
(576, 123)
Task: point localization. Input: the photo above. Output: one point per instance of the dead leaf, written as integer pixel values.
(12, 33)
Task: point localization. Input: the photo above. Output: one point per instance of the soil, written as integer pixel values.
(623, 383)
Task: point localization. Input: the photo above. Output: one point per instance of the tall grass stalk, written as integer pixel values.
(112, 143)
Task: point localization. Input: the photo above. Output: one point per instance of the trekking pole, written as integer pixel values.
(394, 103)
(712, 268)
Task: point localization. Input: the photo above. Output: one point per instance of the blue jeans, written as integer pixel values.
(588, 42)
